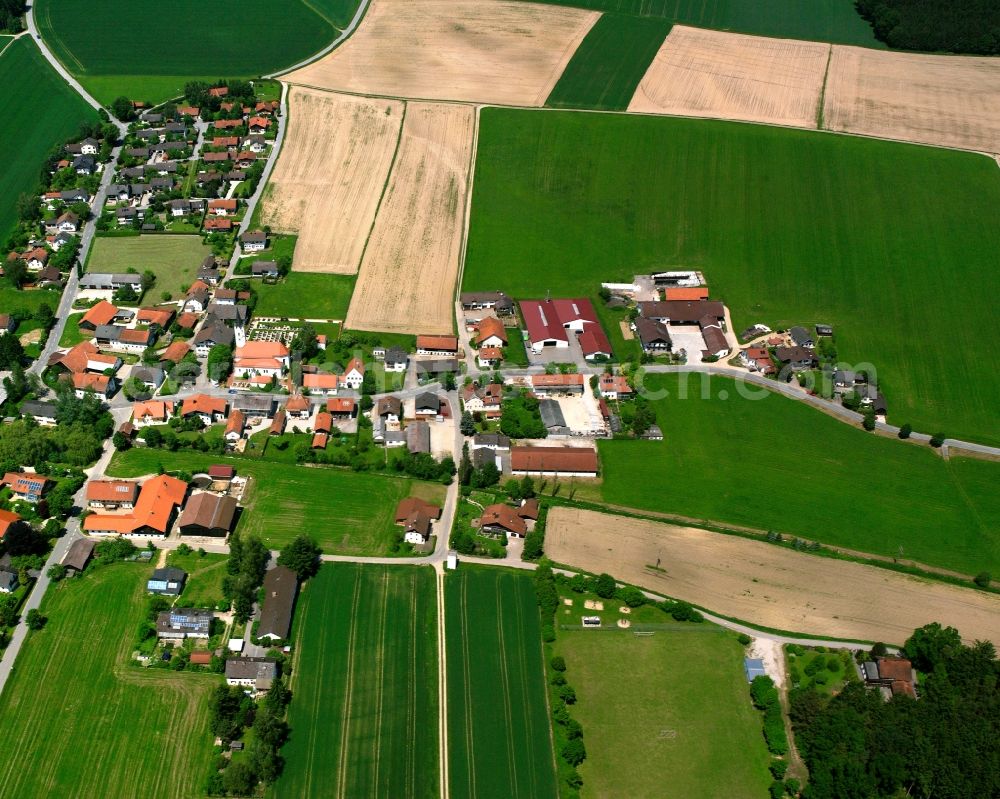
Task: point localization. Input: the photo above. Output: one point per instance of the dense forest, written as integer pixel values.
(952, 26)
(941, 746)
(11, 12)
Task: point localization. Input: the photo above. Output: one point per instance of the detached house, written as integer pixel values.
(354, 374)
(254, 241)
(25, 486)
(614, 386)
(112, 494)
(151, 412)
(490, 332)
(209, 409)
(487, 399)
(415, 517)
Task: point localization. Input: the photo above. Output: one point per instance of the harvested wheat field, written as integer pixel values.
(488, 51)
(407, 278)
(765, 584)
(953, 101)
(330, 175)
(731, 76)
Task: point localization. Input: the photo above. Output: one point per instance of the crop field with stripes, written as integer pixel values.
(499, 741)
(364, 712)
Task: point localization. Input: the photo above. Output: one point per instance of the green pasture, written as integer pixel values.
(12, 299)
(306, 295)
(893, 244)
(173, 259)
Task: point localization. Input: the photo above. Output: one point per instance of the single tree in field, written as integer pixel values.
(301, 556)
(604, 586)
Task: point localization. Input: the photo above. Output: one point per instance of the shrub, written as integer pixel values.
(744, 639)
(833, 663)
(778, 769)
(905, 431)
(792, 787)
(567, 694)
(574, 752)
(777, 789)
(548, 634)
(604, 586)
(983, 579)
(633, 597)
(35, 620)
(937, 440)
(558, 663)
(56, 572)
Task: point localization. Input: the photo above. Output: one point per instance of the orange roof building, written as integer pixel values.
(204, 405)
(235, 425)
(491, 331)
(85, 357)
(103, 313)
(437, 344)
(152, 412)
(320, 440)
(156, 316)
(222, 225)
(176, 352)
(578, 461)
(324, 422)
(7, 520)
(685, 293)
(153, 514)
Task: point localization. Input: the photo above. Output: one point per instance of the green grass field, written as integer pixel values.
(665, 715)
(893, 244)
(86, 724)
(203, 588)
(609, 63)
(306, 295)
(775, 463)
(234, 38)
(817, 20)
(28, 83)
(365, 688)
(173, 259)
(499, 742)
(12, 299)
(348, 513)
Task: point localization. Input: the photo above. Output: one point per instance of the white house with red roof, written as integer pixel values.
(354, 374)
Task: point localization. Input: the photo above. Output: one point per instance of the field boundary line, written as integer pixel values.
(311, 753)
(822, 89)
(522, 659)
(467, 213)
(348, 690)
(467, 674)
(505, 684)
(443, 771)
(381, 197)
(345, 34)
(411, 692)
(380, 666)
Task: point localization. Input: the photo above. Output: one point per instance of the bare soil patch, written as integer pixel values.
(330, 175)
(732, 76)
(765, 584)
(488, 51)
(933, 99)
(407, 278)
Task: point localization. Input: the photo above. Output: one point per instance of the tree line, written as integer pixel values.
(952, 26)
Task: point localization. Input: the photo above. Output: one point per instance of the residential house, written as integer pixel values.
(682, 312)
(415, 517)
(26, 486)
(150, 377)
(256, 673)
(490, 332)
(485, 300)
(297, 407)
(716, 345)
(101, 314)
(281, 586)
(217, 225)
(151, 412)
(174, 353)
(614, 387)
(212, 334)
(487, 399)
(437, 345)
(166, 582)
(253, 241)
(152, 515)
(8, 521)
(235, 426)
(90, 383)
(321, 384)
(396, 359)
(84, 357)
(254, 406)
(161, 317)
(208, 514)
(549, 323)
(496, 442)
(796, 357)
(427, 370)
(800, 337)
(504, 520)
(258, 124)
(354, 374)
(427, 404)
(209, 409)
(181, 623)
(554, 461)
(49, 276)
(264, 269)
(42, 412)
(340, 407)
(489, 357)
(112, 494)
(757, 359)
(222, 207)
(104, 281)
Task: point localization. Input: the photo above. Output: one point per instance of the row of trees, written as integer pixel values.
(954, 26)
(245, 571)
(942, 745)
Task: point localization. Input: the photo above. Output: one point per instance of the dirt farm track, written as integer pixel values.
(488, 51)
(330, 175)
(765, 584)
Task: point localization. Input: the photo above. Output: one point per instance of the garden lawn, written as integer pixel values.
(348, 513)
(85, 723)
(203, 587)
(306, 295)
(365, 689)
(609, 63)
(665, 715)
(816, 20)
(777, 464)
(893, 244)
(28, 83)
(499, 739)
(72, 335)
(173, 259)
(200, 40)
(12, 299)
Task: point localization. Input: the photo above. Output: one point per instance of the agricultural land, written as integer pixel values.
(732, 76)
(174, 259)
(348, 513)
(235, 39)
(643, 705)
(944, 100)
(28, 83)
(609, 63)
(498, 729)
(148, 730)
(491, 51)
(563, 201)
(819, 20)
(364, 709)
(934, 511)
(426, 192)
(330, 177)
(775, 587)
